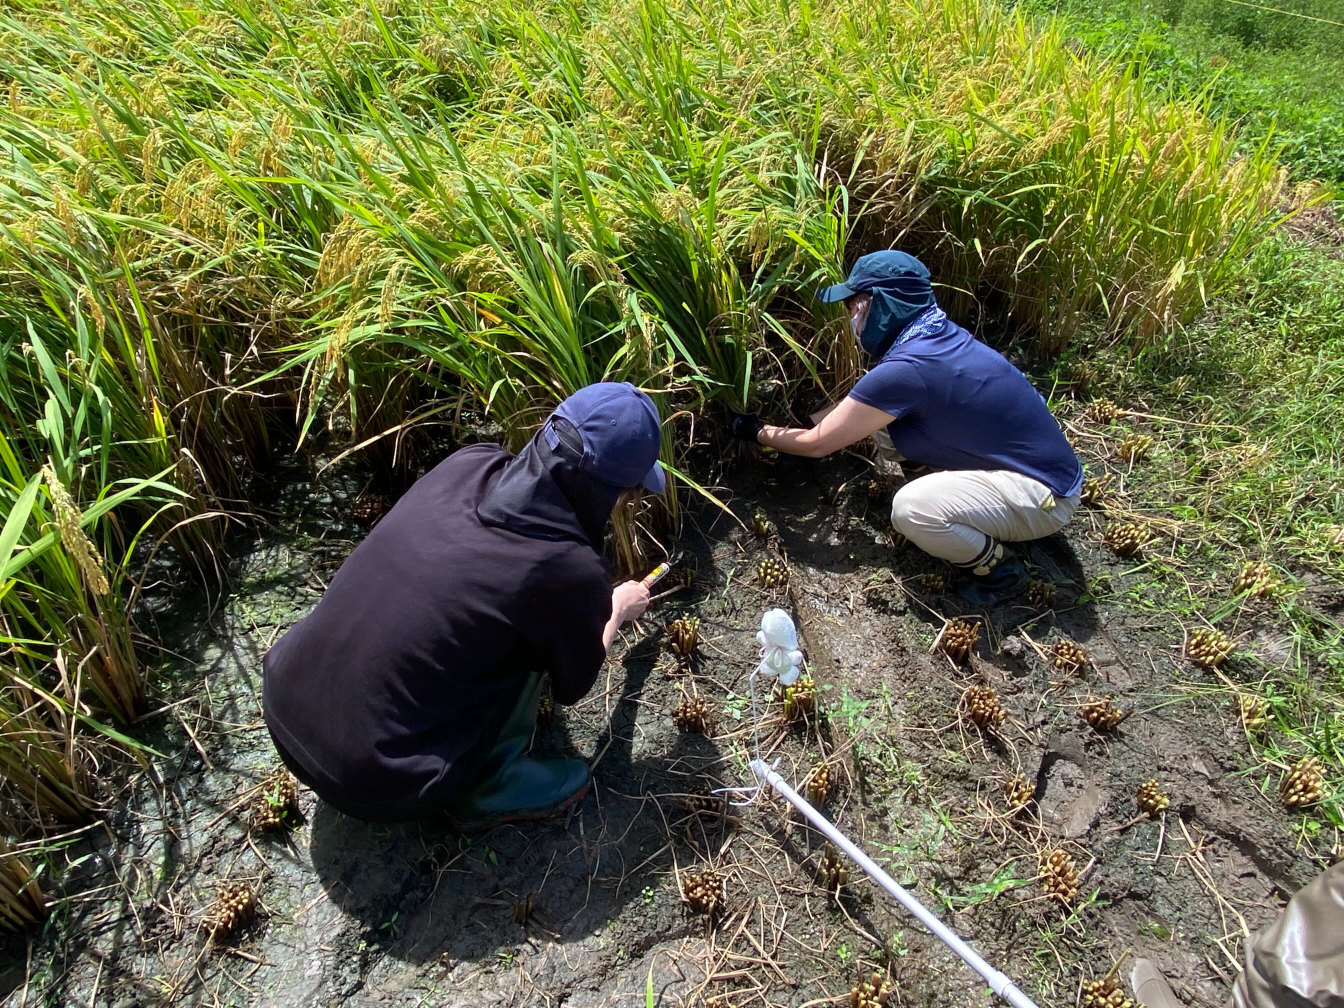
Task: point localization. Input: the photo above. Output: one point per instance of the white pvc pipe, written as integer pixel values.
(998, 983)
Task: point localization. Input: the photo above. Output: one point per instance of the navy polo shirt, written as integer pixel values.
(959, 404)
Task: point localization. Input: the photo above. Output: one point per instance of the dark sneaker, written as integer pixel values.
(524, 789)
(1003, 581)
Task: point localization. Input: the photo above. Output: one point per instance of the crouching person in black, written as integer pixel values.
(412, 688)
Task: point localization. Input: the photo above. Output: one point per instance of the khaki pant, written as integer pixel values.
(948, 514)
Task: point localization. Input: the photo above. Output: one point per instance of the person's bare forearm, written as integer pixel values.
(793, 440)
(610, 630)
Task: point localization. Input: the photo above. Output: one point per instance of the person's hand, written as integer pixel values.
(628, 601)
(745, 426)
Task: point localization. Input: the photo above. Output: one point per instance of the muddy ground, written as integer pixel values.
(586, 910)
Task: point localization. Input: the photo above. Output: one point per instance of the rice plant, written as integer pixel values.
(228, 230)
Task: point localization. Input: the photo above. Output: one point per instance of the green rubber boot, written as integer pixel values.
(515, 787)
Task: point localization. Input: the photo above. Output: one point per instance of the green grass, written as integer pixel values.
(1276, 68)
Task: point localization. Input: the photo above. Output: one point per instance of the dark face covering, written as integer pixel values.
(893, 309)
(542, 494)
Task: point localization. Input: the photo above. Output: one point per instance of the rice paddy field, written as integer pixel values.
(262, 264)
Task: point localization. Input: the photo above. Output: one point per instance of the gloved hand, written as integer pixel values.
(745, 426)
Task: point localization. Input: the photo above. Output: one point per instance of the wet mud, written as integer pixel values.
(587, 909)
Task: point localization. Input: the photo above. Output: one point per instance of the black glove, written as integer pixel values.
(745, 426)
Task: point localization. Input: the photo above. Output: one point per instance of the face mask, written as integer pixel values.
(886, 316)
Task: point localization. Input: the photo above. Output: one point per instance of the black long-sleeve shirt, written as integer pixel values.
(389, 694)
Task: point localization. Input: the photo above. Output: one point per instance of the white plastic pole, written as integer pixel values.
(998, 983)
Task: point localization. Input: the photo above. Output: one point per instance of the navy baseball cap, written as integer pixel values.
(893, 271)
(621, 434)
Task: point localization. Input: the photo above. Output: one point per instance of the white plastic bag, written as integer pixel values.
(778, 638)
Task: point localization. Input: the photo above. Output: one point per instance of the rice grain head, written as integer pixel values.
(69, 525)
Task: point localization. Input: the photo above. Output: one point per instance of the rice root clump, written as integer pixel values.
(1068, 655)
(800, 699)
(1208, 648)
(702, 802)
(692, 715)
(1083, 375)
(874, 992)
(1134, 448)
(1301, 786)
(1254, 713)
(523, 911)
(681, 577)
(702, 891)
(1126, 538)
(1102, 411)
(933, 582)
(760, 525)
(831, 871)
(1019, 793)
(1059, 875)
(959, 638)
(368, 508)
(878, 490)
(1256, 580)
(683, 635)
(771, 573)
(1103, 715)
(233, 907)
(1040, 593)
(277, 801)
(1105, 993)
(1151, 799)
(817, 784)
(898, 539)
(1095, 490)
(545, 710)
(983, 706)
